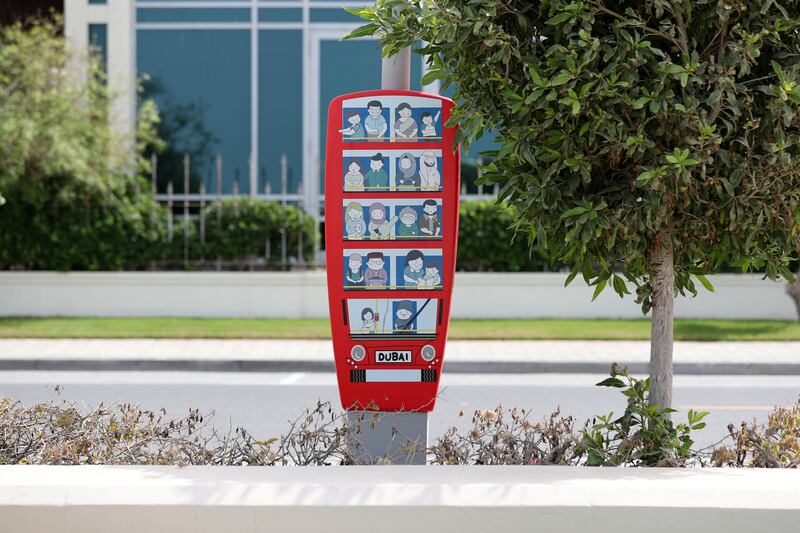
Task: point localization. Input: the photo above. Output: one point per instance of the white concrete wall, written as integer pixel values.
(404, 499)
(304, 295)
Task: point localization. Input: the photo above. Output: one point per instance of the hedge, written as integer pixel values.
(92, 234)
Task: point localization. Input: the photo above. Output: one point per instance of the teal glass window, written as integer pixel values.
(277, 14)
(333, 15)
(192, 15)
(98, 40)
(200, 80)
(280, 108)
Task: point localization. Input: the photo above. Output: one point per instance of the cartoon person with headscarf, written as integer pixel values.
(355, 226)
(430, 179)
(407, 176)
(379, 227)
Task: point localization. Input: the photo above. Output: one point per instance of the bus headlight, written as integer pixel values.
(358, 352)
(428, 352)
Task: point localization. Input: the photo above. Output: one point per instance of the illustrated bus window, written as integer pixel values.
(401, 118)
(390, 219)
(392, 269)
(392, 170)
(392, 318)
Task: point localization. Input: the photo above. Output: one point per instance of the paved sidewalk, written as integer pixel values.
(464, 356)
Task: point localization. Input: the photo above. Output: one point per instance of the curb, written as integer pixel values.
(457, 367)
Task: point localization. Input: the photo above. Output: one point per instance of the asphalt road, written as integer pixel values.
(264, 402)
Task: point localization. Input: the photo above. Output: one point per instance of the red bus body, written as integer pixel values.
(391, 227)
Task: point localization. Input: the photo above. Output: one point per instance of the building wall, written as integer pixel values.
(242, 85)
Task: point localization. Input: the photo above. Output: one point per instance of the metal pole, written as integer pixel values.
(186, 187)
(388, 434)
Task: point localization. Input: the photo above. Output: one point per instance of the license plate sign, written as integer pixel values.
(393, 356)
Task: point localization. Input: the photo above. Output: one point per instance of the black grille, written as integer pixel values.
(358, 376)
(429, 375)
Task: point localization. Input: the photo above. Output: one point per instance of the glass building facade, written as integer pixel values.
(243, 86)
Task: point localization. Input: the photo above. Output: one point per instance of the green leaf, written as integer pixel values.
(558, 19)
(672, 68)
(559, 79)
(611, 382)
(600, 286)
(704, 281)
(575, 211)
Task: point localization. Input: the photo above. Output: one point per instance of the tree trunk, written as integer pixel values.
(663, 275)
(793, 290)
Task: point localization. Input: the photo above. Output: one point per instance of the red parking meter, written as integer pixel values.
(391, 226)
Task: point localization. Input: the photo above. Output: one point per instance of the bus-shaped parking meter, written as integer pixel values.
(391, 224)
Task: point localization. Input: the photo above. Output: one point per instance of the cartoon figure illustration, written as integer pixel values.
(376, 276)
(375, 123)
(428, 171)
(379, 227)
(408, 178)
(377, 178)
(355, 130)
(369, 320)
(413, 273)
(404, 316)
(408, 223)
(429, 224)
(355, 226)
(405, 127)
(354, 276)
(429, 124)
(432, 278)
(354, 179)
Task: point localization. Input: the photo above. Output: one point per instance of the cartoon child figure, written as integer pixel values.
(354, 179)
(404, 316)
(408, 177)
(375, 123)
(413, 273)
(405, 127)
(376, 276)
(432, 278)
(355, 226)
(369, 320)
(430, 179)
(429, 224)
(379, 227)
(408, 223)
(354, 277)
(429, 124)
(355, 130)
(377, 179)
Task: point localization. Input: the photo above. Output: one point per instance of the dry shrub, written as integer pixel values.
(774, 445)
(62, 434)
(500, 437)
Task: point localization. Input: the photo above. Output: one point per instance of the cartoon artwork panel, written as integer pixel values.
(396, 118)
(389, 219)
(365, 121)
(395, 317)
(392, 269)
(392, 170)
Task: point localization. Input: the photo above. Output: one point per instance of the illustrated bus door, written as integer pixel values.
(391, 225)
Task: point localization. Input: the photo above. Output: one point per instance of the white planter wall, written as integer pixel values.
(303, 295)
(399, 499)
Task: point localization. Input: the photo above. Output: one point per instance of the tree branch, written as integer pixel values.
(603, 9)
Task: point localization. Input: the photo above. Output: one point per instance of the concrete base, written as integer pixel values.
(388, 438)
(390, 499)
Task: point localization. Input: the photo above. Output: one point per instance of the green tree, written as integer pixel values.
(71, 182)
(643, 141)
